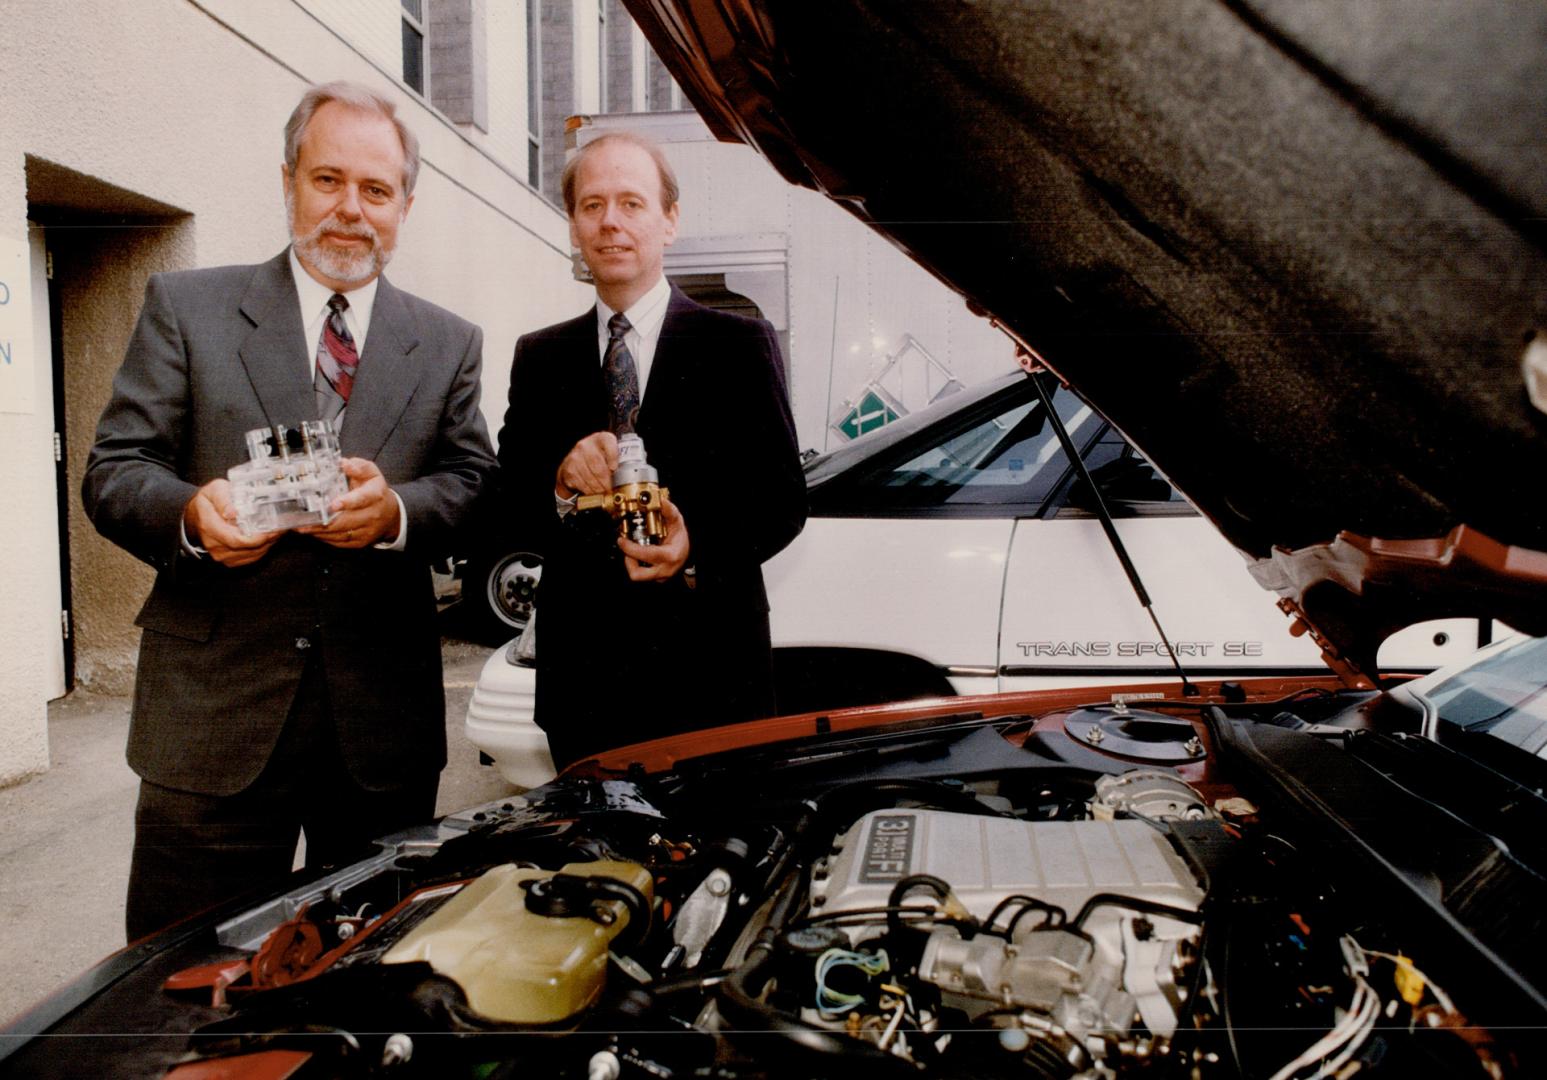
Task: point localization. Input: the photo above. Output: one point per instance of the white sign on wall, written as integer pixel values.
(16, 356)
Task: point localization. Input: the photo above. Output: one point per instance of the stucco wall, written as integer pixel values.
(28, 583)
(372, 26)
(181, 102)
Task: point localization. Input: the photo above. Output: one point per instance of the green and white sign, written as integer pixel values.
(871, 413)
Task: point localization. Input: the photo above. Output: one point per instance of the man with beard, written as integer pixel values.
(290, 682)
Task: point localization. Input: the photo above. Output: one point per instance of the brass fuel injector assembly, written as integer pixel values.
(636, 496)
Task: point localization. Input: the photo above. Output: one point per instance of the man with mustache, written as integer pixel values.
(290, 683)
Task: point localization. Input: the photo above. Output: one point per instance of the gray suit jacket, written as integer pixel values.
(219, 352)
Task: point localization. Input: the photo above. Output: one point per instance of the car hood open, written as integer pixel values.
(1294, 251)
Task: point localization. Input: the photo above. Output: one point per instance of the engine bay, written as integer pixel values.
(1041, 918)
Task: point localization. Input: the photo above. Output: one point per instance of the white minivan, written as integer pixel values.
(956, 551)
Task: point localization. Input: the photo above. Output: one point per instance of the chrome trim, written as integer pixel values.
(1156, 670)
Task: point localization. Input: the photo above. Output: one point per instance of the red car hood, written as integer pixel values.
(664, 754)
(1295, 252)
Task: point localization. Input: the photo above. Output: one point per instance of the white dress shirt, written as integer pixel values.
(645, 319)
(313, 296)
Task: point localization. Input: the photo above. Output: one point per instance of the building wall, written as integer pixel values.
(100, 271)
(178, 105)
(507, 82)
(29, 605)
(588, 72)
(871, 299)
(374, 27)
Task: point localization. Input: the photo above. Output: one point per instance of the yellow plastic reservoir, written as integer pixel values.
(515, 965)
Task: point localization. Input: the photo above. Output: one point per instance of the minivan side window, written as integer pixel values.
(1009, 460)
(1129, 484)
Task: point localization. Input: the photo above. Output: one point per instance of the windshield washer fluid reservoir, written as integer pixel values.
(513, 964)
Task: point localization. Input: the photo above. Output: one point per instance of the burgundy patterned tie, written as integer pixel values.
(621, 378)
(336, 361)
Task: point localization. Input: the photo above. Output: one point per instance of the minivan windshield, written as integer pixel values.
(1504, 695)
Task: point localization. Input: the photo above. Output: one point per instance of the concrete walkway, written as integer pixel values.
(65, 835)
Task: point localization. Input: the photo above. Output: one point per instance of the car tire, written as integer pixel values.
(501, 591)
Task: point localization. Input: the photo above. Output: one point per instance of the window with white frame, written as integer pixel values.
(534, 95)
(602, 57)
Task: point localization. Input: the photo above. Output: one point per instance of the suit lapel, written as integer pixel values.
(574, 372)
(274, 353)
(674, 353)
(386, 379)
(580, 340)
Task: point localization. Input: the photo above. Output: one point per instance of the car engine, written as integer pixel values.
(1051, 922)
(1058, 906)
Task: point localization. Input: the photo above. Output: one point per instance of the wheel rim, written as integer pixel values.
(510, 588)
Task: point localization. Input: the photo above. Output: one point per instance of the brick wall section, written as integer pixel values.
(558, 59)
(657, 86)
(459, 60)
(620, 58)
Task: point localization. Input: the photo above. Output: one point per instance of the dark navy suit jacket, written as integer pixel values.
(619, 661)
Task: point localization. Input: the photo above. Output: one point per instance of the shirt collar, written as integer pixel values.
(314, 295)
(647, 314)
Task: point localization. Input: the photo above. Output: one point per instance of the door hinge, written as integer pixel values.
(58, 448)
(48, 265)
(64, 623)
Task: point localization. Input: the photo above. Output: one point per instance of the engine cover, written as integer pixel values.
(986, 859)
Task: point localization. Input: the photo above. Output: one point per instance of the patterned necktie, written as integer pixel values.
(336, 361)
(621, 378)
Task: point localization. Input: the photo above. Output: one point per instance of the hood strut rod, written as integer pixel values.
(1032, 363)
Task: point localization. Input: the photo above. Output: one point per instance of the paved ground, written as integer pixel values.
(65, 835)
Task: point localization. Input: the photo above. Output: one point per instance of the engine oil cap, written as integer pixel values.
(813, 941)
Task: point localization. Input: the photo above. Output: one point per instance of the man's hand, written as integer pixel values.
(658, 562)
(209, 522)
(588, 467)
(367, 514)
